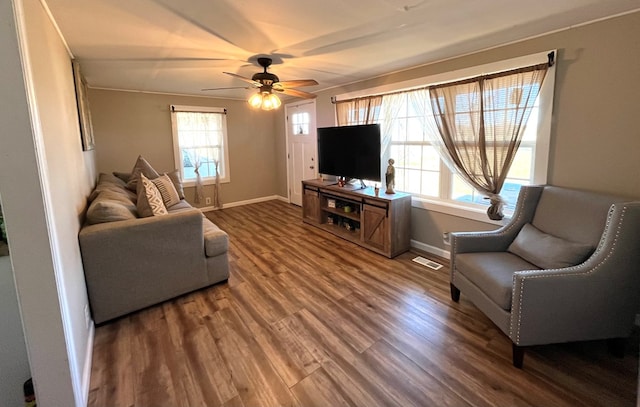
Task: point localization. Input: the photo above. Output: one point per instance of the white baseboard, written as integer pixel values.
(246, 202)
(86, 374)
(430, 249)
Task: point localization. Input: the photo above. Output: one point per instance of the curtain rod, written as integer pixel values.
(550, 62)
(173, 109)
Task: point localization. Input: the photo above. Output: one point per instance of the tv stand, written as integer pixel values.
(379, 223)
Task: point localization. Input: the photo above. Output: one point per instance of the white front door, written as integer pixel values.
(302, 146)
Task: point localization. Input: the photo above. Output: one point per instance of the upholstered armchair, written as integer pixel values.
(565, 268)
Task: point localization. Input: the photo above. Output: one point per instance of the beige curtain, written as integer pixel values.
(481, 122)
(364, 110)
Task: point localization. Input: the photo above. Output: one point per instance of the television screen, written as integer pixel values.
(350, 151)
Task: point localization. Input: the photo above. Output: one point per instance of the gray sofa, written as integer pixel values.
(565, 268)
(131, 263)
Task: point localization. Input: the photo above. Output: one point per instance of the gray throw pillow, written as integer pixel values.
(547, 251)
(177, 182)
(125, 176)
(141, 166)
(103, 209)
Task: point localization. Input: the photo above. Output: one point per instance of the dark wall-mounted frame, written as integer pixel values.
(84, 113)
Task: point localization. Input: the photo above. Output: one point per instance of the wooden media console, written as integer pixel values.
(379, 223)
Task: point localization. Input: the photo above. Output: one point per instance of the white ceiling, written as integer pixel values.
(183, 46)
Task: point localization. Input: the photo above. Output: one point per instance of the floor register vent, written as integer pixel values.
(429, 263)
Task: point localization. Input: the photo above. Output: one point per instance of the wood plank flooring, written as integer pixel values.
(308, 319)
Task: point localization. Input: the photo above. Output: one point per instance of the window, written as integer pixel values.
(419, 168)
(300, 123)
(521, 171)
(418, 165)
(200, 143)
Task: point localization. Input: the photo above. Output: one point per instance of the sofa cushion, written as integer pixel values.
(149, 198)
(167, 190)
(110, 183)
(547, 251)
(107, 208)
(492, 273)
(578, 216)
(180, 206)
(141, 166)
(216, 241)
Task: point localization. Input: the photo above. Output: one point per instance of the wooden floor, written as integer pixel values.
(308, 319)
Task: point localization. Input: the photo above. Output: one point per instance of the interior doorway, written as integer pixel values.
(300, 122)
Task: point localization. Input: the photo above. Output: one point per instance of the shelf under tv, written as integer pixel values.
(379, 223)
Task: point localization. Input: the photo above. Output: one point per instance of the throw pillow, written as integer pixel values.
(141, 166)
(177, 182)
(125, 176)
(167, 190)
(103, 209)
(149, 199)
(547, 251)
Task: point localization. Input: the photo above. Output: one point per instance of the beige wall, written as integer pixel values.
(45, 178)
(127, 124)
(595, 140)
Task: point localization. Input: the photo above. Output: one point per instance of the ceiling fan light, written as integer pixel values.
(256, 100)
(274, 101)
(268, 102)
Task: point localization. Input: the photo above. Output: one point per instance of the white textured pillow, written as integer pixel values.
(169, 194)
(547, 251)
(150, 201)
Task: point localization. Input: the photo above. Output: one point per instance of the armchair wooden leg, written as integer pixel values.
(455, 293)
(518, 355)
(616, 346)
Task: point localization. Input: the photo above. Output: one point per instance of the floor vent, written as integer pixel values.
(429, 263)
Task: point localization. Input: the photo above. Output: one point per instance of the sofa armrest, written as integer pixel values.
(139, 262)
(594, 300)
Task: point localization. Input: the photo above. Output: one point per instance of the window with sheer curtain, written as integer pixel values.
(410, 135)
(200, 143)
(408, 127)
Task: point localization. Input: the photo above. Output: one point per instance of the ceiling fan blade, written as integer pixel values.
(222, 20)
(295, 83)
(251, 81)
(233, 87)
(297, 93)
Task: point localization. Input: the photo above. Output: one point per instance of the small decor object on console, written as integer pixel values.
(390, 177)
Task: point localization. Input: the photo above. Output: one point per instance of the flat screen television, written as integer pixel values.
(350, 151)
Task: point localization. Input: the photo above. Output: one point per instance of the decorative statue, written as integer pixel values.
(390, 177)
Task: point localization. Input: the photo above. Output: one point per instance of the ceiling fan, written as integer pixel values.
(268, 83)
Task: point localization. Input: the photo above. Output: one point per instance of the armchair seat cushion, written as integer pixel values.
(492, 273)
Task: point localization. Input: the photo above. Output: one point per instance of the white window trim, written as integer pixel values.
(545, 115)
(177, 156)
